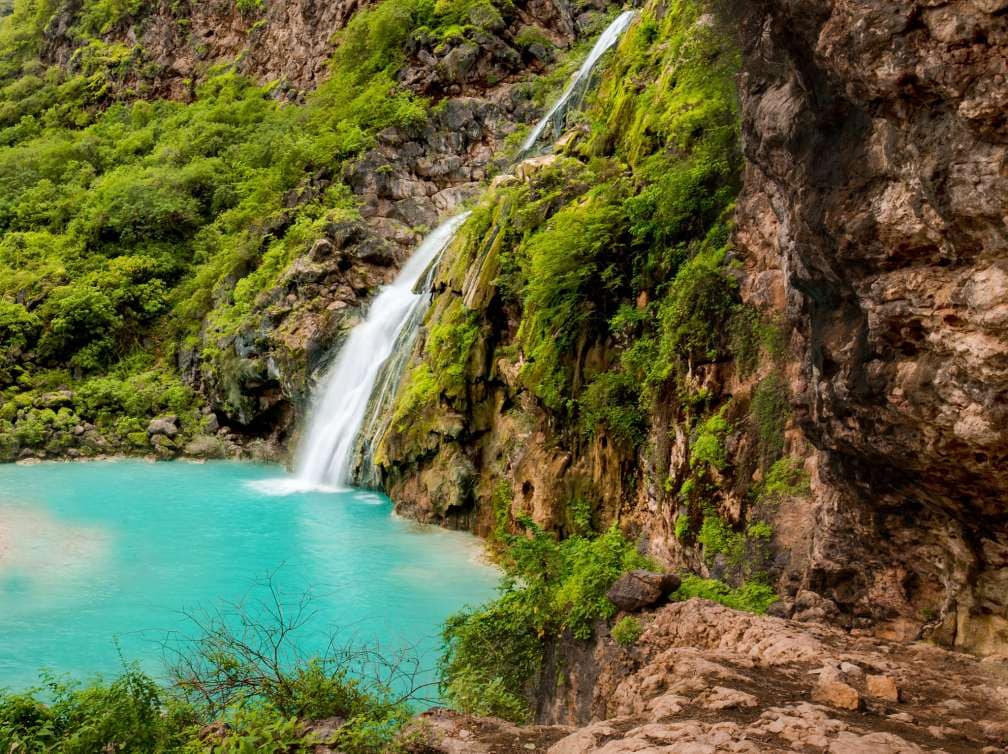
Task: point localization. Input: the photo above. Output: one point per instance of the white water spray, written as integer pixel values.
(579, 82)
(326, 451)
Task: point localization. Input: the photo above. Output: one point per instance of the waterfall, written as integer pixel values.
(350, 409)
(575, 91)
(339, 408)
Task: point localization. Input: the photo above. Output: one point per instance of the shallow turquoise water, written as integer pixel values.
(102, 558)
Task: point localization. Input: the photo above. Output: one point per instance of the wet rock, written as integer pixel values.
(640, 589)
(205, 446)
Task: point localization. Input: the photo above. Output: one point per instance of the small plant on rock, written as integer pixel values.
(627, 631)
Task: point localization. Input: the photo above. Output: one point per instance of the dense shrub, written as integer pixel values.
(753, 597)
(552, 587)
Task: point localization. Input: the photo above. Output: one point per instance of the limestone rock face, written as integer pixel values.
(873, 219)
(704, 678)
(165, 426)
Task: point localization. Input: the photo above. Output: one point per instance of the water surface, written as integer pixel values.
(98, 559)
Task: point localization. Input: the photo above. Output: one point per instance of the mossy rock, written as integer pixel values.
(138, 439)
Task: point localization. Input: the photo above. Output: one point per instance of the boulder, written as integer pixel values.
(639, 589)
(55, 400)
(164, 425)
(835, 692)
(215, 732)
(883, 687)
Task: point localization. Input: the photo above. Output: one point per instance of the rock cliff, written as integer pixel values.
(869, 254)
(872, 217)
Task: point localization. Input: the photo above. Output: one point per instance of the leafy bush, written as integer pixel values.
(627, 631)
(752, 597)
(493, 653)
(130, 714)
(18, 326)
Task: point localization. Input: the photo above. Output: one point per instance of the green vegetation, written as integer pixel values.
(129, 228)
(627, 631)
(241, 668)
(621, 239)
(753, 597)
(442, 373)
(709, 445)
(753, 338)
(493, 653)
(785, 478)
(770, 411)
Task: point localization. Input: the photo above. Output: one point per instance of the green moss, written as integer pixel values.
(752, 597)
(770, 410)
(785, 478)
(682, 526)
(611, 401)
(565, 266)
(627, 631)
(718, 538)
(250, 7)
(751, 337)
(708, 447)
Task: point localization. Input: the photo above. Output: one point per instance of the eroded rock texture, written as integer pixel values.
(288, 42)
(874, 216)
(703, 678)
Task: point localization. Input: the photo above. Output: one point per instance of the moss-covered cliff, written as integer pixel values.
(588, 359)
(758, 334)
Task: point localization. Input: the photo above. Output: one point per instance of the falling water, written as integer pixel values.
(575, 91)
(325, 453)
(351, 409)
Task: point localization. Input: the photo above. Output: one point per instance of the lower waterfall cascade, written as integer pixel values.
(339, 408)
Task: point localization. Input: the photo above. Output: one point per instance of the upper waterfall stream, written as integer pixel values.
(361, 383)
(575, 91)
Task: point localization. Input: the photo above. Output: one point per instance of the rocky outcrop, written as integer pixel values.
(287, 42)
(639, 589)
(870, 228)
(175, 44)
(873, 218)
(703, 678)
